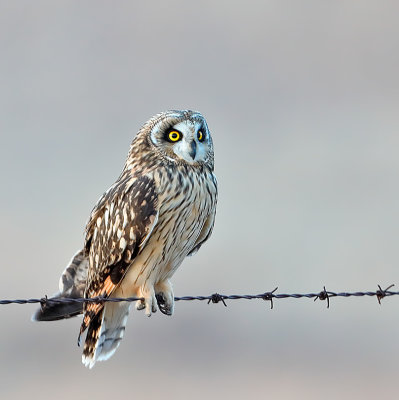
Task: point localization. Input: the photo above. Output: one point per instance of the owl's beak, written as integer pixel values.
(193, 149)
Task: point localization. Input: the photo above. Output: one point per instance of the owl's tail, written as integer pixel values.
(105, 333)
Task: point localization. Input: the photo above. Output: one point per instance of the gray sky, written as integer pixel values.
(301, 99)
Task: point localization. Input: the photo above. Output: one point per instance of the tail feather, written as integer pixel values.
(72, 284)
(93, 333)
(56, 311)
(105, 333)
(106, 325)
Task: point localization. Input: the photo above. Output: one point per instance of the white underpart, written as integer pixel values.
(176, 229)
(183, 147)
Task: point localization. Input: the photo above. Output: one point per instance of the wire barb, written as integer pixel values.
(323, 295)
(268, 296)
(216, 298)
(382, 293)
(43, 302)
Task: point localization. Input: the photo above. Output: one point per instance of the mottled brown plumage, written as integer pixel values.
(161, 209)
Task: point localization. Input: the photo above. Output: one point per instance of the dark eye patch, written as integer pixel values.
(172, 135)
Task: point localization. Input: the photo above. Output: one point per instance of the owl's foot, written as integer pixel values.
(140, 305)
(163, 304)
(149, 303)
(165, 297)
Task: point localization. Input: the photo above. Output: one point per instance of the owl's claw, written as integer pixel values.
(140, 305)
(148, 303)
(161, 296)
(164, 296)
(154, 307)
(165, 306)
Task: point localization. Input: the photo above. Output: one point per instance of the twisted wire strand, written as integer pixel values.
(215, 297)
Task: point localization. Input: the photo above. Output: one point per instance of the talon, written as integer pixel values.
(160, 299)
(140, 305)
(165, 308)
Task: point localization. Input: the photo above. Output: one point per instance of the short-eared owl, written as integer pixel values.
(160, 209)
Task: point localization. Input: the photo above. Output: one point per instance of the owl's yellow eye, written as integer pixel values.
(174, 136)
(200, 136)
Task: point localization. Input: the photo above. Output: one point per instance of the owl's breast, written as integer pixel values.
(186, 204)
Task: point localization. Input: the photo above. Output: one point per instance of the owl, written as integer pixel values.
(160, 210)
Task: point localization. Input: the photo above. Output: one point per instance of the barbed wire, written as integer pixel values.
(215, 297)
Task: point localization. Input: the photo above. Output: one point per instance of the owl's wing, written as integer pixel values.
(73, 279)
(72, 284)
(119, 226)
(205, 233)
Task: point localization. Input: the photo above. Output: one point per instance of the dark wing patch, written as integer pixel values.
(119, 225)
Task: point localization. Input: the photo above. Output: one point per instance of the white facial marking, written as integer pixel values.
(155, 130)
(183, 148)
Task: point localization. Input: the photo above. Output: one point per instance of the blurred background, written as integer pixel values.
(302, 101)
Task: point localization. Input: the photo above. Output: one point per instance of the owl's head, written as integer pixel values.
(180, 137)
